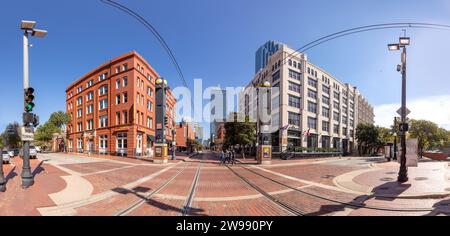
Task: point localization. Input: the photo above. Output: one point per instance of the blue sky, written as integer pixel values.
(216, 40)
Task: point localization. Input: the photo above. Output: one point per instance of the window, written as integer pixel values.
(352, 124)
(325, 126)
(325, 112)
(103, 121)
(336, 95)
(336, 105)
(117, 118)
(89, 109)
(79, 101)
(312, 107)
(295, 75)
(149, 91)
(149, 105)
(90, 96)
(89, 84)
(103, 143)
(312, 83)
(294, 119)
(312, 123)
(344, 131)
(149, 77)
(149, 122)
(344, 110)
(276, 76)
(118, 70)
(352, 114)
(125, 67)
(79, 89)
(294, 87)
(122, 141)
(312, 94)
(294, 101)
(118, 84)
(80, 127)
(344, 119)
(103, 104)
(118, 99)
(336, 116)
(90, 125)
(336, 129)
(125, 97)
(138, 97)
(125, 81)
(102, 77)
(326, 90)
(352, 133)
(125, 117)
(79, 112)
(290, 62)
(344, 100)
(325, 100)
(103, 90)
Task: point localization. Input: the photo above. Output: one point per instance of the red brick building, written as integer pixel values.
(113, 109)
(185, 131)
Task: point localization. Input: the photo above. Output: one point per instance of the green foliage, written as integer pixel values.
(60, 119)
(428, 134)
(368, 138)
(11, 140)
(193, 144)
(45, 132)
(240, 133)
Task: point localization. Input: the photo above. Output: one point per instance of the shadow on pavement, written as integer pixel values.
(160, 205)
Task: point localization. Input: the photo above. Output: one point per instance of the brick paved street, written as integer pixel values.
(90, 186)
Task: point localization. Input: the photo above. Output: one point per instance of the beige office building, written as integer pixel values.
(311, 109)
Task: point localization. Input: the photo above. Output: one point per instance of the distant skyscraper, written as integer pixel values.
(263, 54)
(219, 112)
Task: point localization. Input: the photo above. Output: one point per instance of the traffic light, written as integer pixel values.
(29, 98)
(404, 127)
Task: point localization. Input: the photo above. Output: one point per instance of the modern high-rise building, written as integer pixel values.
(312, 109)
(264, 53)
(219, 111)
(113, 109)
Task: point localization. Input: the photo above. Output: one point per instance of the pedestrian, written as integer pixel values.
(233, 156)
(222, 157)
(228, 156)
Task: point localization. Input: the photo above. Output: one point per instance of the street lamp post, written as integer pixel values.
(395, 138)
(2, 175)
(403, 42)
(28, 28)
(263, 142)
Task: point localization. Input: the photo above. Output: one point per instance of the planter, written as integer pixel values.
(436, 156)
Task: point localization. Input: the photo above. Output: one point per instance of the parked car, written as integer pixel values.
(6, 157)
(33, 152)
(11, 153)
(38, 149)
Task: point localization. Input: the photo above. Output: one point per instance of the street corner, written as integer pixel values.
(429, 180)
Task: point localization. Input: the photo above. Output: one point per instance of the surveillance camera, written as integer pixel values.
(399, 68)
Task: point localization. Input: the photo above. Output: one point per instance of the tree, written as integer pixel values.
(60, 119)
(11, 138)
(2, 144)
(240, 133)
(45, 132)
(368, 138)
(193, 144)
(426, 132)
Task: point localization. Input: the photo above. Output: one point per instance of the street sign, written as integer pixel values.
(27, 134)
(407, 111)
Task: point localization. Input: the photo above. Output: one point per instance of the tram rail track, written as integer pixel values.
(146, 198)
(346, 204)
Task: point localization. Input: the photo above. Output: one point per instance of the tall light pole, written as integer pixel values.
(28, 117)
(403, 42)
(2, 175)
(263, 142)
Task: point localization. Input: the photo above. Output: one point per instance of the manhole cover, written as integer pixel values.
(387, 179)
(421, 178)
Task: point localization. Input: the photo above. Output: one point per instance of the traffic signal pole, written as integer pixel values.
(27, 176)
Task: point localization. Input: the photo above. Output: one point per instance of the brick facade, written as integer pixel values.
(113, 108)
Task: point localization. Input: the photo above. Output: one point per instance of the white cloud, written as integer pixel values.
(436, 109)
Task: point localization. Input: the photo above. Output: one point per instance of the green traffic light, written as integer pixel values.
(29, 107)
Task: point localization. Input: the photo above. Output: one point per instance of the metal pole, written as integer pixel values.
(173, 143)
(395, 138)
(27, 176)
(2, 176)
(26, 83)
(403, 174)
